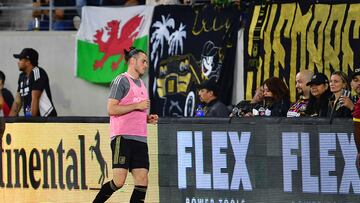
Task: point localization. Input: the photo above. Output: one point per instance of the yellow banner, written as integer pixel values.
(323, 39)
(64, 162)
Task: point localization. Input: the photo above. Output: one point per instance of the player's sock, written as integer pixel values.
(105, 192)
(138, 195)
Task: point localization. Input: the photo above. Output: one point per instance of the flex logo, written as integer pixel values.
(191, 150)
(99, 157)
(318, 173)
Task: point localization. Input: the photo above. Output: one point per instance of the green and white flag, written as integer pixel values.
(104, 34)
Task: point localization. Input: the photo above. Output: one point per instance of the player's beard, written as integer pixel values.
(137, 69)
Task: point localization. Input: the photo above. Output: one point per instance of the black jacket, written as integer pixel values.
(318, 108)
(279, 108)
(216, 108)
(335, 110)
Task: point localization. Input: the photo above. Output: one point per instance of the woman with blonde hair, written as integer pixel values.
(340, 88)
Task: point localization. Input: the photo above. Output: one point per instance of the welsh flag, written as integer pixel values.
(104, 34)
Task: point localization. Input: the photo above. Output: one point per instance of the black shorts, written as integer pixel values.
(129, 154)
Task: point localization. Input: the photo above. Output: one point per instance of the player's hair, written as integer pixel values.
(133, 52)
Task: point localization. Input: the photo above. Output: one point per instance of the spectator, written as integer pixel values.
(339, 86)
(208, 91)
(6, 98)
(277, 97)
(64, 18)
(319, 98)
(40, 17)
(350, 102)
(244, 108)
(33, 93)
(81, 3)
(299, 107)
(355, 84)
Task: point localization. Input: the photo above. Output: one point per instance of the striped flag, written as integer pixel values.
(104, 34)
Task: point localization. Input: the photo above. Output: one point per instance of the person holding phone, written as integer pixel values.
(339, 86)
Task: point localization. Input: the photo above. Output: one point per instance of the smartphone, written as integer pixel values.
(345, 93)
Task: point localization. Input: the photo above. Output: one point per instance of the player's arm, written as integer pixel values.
(114, 108)
(15, 108)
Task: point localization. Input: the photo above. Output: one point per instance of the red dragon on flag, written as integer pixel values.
(115, 44)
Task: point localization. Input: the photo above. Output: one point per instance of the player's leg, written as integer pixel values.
(119, 177)
(139, 168)
(120, 169)
(140, 176)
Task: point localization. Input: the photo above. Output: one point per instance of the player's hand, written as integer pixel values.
(143, 105)
(152, 118)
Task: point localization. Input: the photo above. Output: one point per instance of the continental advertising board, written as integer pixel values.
(258, 161)
(63, 162)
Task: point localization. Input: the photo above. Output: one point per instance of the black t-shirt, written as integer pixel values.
(38, 80)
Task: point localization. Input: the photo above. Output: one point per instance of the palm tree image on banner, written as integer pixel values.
(187, 46)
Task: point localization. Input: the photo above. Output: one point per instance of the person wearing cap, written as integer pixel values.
(355, 84)
(6, 98)
(208, 92)
(33, 93)
(319, 98)
(299, 107)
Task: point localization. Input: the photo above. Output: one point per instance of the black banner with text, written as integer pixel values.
(190, 44)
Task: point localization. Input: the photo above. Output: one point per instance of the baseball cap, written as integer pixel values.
(209, 85)
(355, 73)
(28, 53)
(318, 79)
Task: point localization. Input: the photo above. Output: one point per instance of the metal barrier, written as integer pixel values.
(18, 16)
